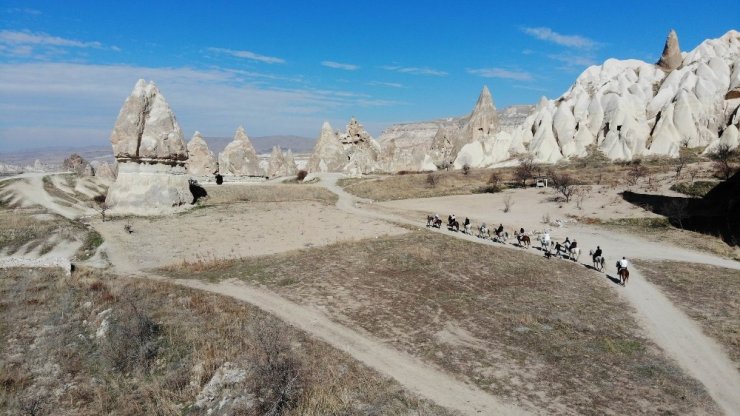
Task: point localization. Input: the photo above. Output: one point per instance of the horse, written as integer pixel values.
(501, 237)
(454, 225)
(432, 222)
(544, 243)
(623, 274)
(483, 232)
(598, 261)
(522, 239)
(574, 253)
(468, 229)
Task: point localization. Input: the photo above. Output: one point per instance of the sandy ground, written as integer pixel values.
(240, 230)
(233, 231)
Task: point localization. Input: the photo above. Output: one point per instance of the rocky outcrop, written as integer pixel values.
(151, 154)
(353, 151)
(78, 165)
(671, 57)
(201, 161)
(6, 168)
(281, 164)
(328, 155)
(239, 157)
(483, 121)
(630, 108)
(362, 151)
(105, 170)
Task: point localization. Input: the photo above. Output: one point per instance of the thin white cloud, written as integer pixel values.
(501, 73)
(571, 41)
(415, 70)
(386, 84)
(248, 55)
(339, 65)
(13, 38)
(23, 10)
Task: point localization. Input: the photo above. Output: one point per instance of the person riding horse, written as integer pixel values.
(499, 230)
(567, 244)
(466, 225)
(622, 264)
(597, 253)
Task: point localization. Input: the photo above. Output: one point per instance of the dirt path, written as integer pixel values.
(409, 371)
(671, 329)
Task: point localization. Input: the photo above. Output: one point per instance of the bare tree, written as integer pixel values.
(722, 157)
(693, 172)
(494, 180)
(564, 184)
(581, 193)
(98, 204)
(508, 203)
(678, 210)
(636, 172)
(525, 170)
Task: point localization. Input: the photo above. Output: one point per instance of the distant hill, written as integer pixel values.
(54, 156)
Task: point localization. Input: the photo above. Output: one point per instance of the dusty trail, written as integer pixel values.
(671, 329)
(409, 371)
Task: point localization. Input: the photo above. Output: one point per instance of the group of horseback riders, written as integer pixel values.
(567, 248)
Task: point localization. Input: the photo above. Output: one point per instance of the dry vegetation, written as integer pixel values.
(660, 230)
(229, 193)
(708, 294)
(94, 344)
(587, 171)
(547, 334)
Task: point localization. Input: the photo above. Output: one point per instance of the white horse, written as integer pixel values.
(483, 231)
(599, 261)
(468, 229)
(501, 238)
(574, 253)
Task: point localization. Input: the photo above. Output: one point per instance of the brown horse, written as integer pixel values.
(523, 240)
(623, 274)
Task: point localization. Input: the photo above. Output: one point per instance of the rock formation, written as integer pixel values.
(201, 161)
(671, 57)
(362, 151)
(239, 157)
(353, 151)
(281, 164)
(630, 108)
(105, 170)
(78, 165)
(328, 154)
(151, 153)
(483, 120)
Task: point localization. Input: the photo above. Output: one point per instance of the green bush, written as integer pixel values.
(696, 189)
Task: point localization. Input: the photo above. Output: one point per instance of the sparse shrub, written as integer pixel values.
(722, 157)
(432, 180)
(580, 194)
(301, 175)
(636, 172)
(131, 342)
(545, 218)
(278, 372)
(466, 169)
(695, 189)
(508, 203)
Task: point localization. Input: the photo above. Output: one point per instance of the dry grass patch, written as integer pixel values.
(659, 230)
(94, 344)
(546, 334)
(708, 294)
(230, 193)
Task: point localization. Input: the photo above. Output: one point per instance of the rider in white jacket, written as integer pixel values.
(622, 264)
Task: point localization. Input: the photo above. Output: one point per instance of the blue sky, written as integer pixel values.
(283, 67)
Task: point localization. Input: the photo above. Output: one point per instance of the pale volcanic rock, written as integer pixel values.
(671, 57)
(239, 157)
(353, 151)
(328, 154)
(105, 170)
(146, 128)
(630, 108)
(483, 120)
(151, 154)
(201, 160)
(78, 165)
(281, 164)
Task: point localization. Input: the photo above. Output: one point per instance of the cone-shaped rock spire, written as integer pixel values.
(671, 57)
